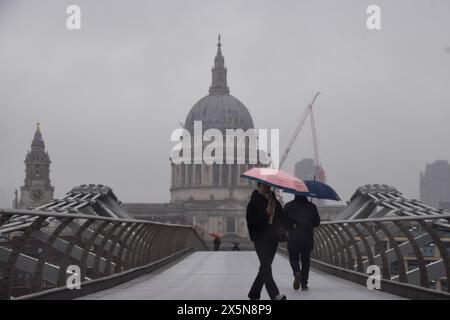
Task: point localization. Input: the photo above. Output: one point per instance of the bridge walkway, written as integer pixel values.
(228, 275)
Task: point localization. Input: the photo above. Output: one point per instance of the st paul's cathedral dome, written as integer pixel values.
(219, 109)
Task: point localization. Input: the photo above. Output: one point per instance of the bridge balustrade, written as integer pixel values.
(399, 246)
(41, 251)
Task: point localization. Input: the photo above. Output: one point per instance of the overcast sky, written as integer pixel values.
(109, 95)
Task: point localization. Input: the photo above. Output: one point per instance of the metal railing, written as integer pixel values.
(410, 250)
(38, 250)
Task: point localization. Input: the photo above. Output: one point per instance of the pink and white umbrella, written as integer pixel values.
(277, 178)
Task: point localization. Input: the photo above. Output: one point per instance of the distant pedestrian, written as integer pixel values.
(216, 243)
(263, 217)
(303, 217)
(236, 247)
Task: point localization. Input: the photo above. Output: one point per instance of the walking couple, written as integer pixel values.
(265, 220)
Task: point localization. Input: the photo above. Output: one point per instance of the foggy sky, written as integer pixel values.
(108, 96)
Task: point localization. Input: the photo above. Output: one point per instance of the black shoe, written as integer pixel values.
(305, 288)
(280, 297)
(253, 298)
(297, 280)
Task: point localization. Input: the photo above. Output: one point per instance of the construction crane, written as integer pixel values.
(308, 112)
(314, 137)
(319, 173)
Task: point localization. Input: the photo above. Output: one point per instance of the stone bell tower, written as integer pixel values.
(37, 189)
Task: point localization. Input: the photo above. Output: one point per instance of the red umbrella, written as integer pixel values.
(276, 178)
(214, 235)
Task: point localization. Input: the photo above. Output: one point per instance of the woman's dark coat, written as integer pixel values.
(258, 220)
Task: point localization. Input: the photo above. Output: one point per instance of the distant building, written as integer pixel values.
(37, 189)
(307, 170)
(435, 183)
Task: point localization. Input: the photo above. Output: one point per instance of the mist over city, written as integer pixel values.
(109, 95)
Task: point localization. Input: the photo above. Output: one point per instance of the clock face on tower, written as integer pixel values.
(37, 194)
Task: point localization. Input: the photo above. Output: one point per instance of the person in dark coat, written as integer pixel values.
(303, 217)
(263, 218)
(216, 243)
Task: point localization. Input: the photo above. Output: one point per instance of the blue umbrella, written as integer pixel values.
(320, 190)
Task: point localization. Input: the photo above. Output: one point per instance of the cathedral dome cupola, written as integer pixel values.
(219, 73)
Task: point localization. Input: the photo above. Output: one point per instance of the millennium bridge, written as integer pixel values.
(88, 237)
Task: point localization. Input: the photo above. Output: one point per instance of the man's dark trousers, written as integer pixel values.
(298, 252)
(266, 248)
